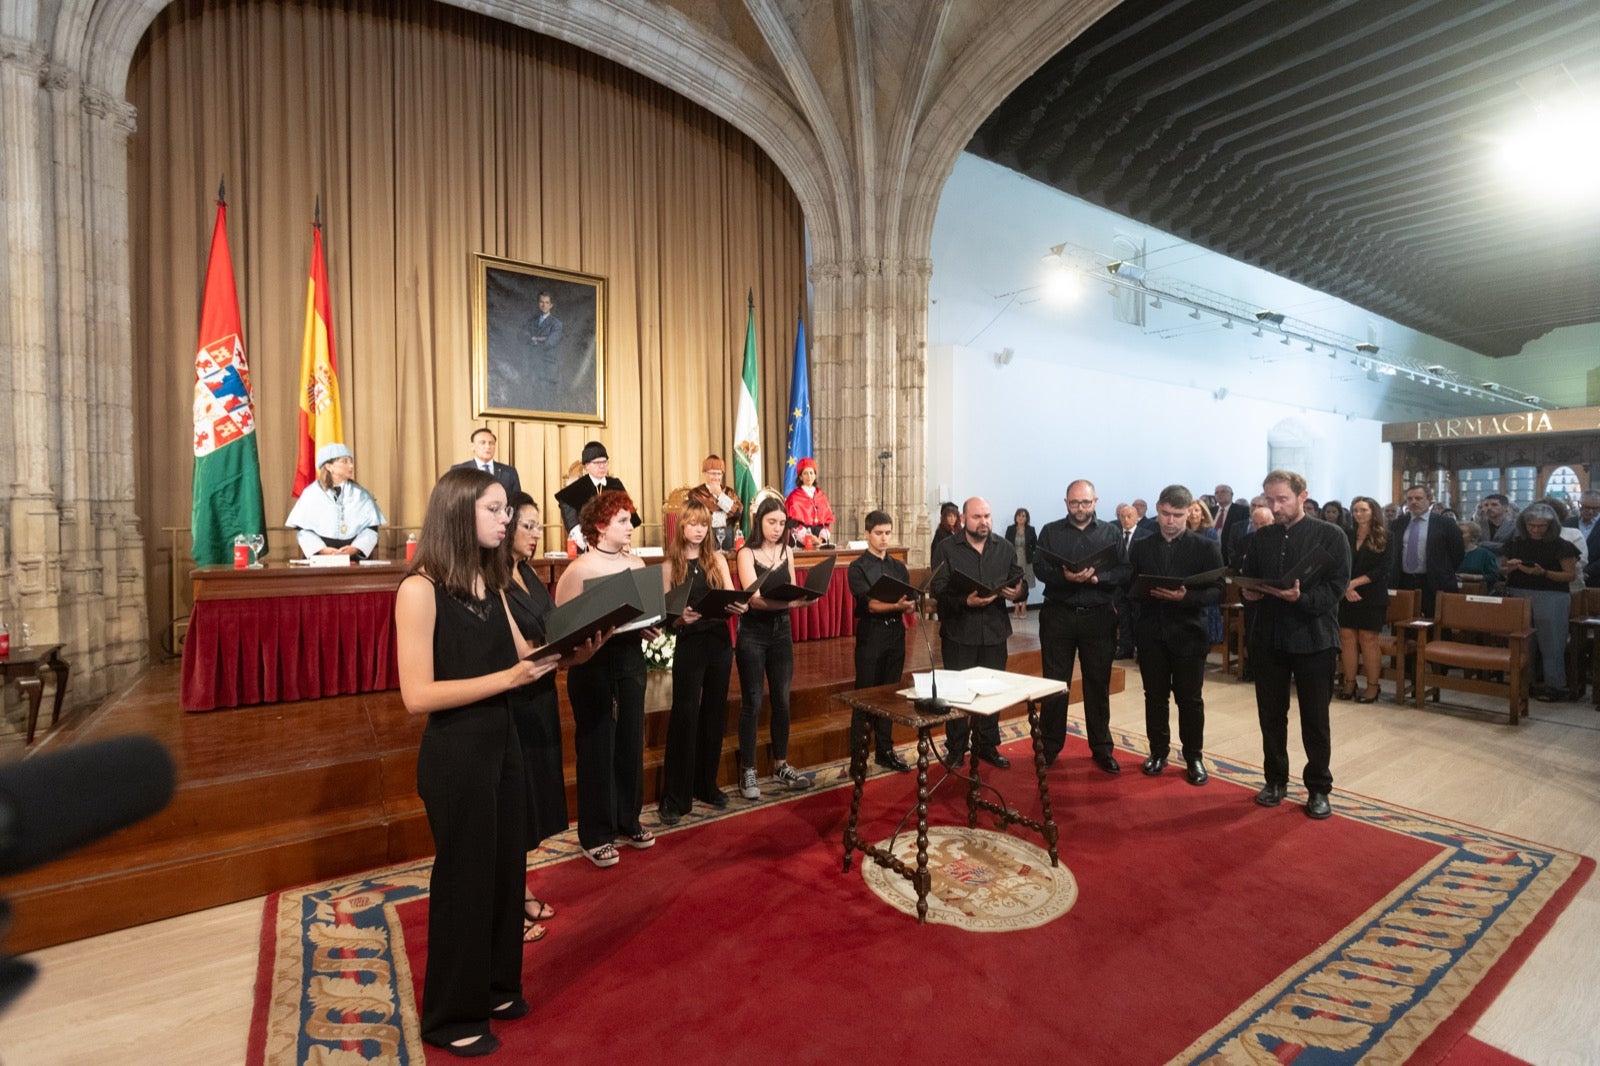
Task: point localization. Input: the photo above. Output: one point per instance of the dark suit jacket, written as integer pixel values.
(1237, 519)
(1442, 552)
(1591, 573)
(506, 475)
(1139, 533)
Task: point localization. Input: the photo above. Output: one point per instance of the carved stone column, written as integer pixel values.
(870, 325)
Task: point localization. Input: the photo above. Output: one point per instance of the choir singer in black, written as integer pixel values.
(1294, 636)
(880, 631)
(1171, 631)
(974, 628)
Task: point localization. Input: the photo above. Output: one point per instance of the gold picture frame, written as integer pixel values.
(538, 343)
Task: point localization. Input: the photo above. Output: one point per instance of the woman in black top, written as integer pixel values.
(1365, 606)
(949, 523)
(535, 708)
(460, 656)
(1539, 566)
(701, 664)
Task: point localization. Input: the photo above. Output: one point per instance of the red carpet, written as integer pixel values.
(740, 939)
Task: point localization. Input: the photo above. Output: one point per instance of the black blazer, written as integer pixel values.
(506, 475)
(1442, 552)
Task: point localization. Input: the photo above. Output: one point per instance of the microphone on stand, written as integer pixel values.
(932, 704)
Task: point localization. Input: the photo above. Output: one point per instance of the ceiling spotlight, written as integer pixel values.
(1156, 302)
(1434, 368)
(1127, 270)
(1227, 323)
(1489, 386)
(1055, 253)
(1311, 348)
(1257, 333)
(1269, 316)
(1531, 399)
(1195, 313)
(1368, 347)
(1285, 340)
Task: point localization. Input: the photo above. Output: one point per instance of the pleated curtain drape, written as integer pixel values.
(429, 134)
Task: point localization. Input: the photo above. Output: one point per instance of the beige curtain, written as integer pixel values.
(430, 134)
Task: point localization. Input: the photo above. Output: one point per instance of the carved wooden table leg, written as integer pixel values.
(32, 688)
(923, 880)
(972, 775)
(858, 774)
(1052, 834)
(58, 666)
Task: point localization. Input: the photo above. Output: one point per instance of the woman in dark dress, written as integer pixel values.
(607, 695)
(701, 665)
(460, 657)
(949, 523)
(535, 709)
(1539, 566)
(1365, 606)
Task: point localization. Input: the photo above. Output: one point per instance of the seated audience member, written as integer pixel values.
(725, 507)
(1479, 561)
(336, 516)
(807, 506)
(1539, 565)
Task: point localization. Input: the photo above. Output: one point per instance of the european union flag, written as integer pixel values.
(799, 410)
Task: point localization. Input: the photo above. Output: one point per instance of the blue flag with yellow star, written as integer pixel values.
(799, 410)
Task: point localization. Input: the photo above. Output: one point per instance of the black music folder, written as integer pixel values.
(1305, 571)
(605, 603)
(815, 584)
(1101, 559)
(1145, 582)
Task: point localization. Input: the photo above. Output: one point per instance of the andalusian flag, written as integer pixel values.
(799, 411)
(227, 469)
(321, 420)
(747, 423)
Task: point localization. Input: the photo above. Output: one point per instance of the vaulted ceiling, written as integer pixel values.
(1345, 145)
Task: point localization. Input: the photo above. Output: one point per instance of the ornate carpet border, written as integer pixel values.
(339, 992)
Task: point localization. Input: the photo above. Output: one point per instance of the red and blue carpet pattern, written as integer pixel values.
(1207, 929)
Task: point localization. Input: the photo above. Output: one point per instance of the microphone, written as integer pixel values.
(932, 704)
(54, 804)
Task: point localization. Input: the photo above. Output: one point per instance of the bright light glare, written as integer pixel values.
(1061, 285)
(1555, 155)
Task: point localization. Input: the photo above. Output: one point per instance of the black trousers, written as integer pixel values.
(700, 669)
(880, 660)
(607, 697)
(1312, 674)
(984, 728)
(1090, 634)
(1169, 666)
(469, 775)
(1127, 618)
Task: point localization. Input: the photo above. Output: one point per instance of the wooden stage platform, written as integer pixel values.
(285, 794)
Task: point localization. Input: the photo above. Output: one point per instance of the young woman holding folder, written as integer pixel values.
(460, 658)
(766, 649)
(701, 665)
(609, 747)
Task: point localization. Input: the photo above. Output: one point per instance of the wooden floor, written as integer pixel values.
(179, 990)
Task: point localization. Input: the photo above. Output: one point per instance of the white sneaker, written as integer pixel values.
(747, 784)
(790, 779)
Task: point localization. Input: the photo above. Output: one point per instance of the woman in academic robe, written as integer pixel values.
(460, 657)
(807, 507)
(336, 516)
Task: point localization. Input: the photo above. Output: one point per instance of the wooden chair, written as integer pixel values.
(1582, 635)
(1467, 635)
(669, 512)
(1397, 643)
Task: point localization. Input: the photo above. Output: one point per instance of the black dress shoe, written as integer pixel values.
(717, 799)
(1317, 806)
(1108, 763)
(891, 760)
(1196, 773)
(668, 816)
(1271, 795)
(953, 758)
(995, 759)
(1247, 676)
(1153, 765)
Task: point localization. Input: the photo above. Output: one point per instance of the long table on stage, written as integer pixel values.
(278, 633)
(889, 701)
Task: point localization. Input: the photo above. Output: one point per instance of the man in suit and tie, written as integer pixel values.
(483, 446)
(1231, 515)
(1129, 533)
(1425, 549)
(1147, 522)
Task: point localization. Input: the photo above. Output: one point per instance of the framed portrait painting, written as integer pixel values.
(538, 343)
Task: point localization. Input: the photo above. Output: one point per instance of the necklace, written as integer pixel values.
(602, 551)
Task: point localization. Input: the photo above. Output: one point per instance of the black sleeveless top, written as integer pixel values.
(773, 622)
(699, 584)
(470, 639)
(529, 610)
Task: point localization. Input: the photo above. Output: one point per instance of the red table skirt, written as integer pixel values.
(832, 616)
(241, 652)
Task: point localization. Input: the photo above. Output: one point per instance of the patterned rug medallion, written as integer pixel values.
(983, 881)
(1192, 927)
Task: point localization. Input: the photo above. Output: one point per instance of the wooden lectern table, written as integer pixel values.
(898, 705)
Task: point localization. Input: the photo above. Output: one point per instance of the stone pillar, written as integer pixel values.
(870, 343)
(71, 555)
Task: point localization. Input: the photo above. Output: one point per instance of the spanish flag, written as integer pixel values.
(321, 418)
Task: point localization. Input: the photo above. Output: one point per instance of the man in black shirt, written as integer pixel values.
(1295, 636)
(880, 631)
(973, 629)
(1079, 618)
(1172, 638)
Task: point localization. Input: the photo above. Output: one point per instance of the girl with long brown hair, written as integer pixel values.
(1365, 606)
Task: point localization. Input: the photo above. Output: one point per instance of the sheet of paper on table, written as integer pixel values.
(981, 690)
